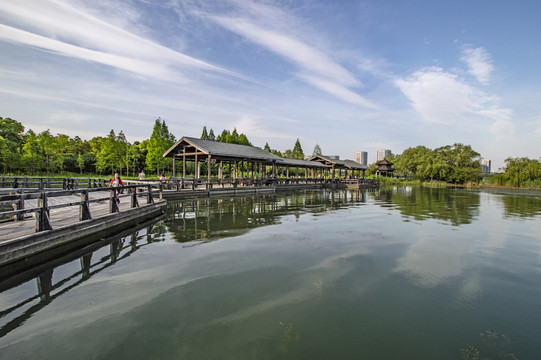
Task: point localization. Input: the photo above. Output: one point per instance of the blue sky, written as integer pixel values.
(348, 75)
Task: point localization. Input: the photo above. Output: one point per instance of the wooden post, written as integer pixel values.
(208, 172)
(174, 166)
(220, 171)
(134, 202)
(20, 206)
(113, 205)
(150, 199)
(43, 221)
(184, 163)
(84, 209)
(196, 175)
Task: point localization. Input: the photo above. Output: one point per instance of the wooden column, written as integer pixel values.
(174, 166)
(196, 170)
(184, 163)
(208, 170)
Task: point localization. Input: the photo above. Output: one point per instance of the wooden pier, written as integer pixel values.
(36, 222)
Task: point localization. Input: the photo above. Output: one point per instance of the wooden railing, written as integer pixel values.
(203, 183)
(41, 183)
(16, 201)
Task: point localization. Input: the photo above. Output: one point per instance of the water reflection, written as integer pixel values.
(521, 204)
(347, 270)
(83, 264)
(457, 207)
(210, 219)
(186, 221)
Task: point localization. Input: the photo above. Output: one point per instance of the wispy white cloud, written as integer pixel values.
(57, 26)
(269, 28)
(478, 62)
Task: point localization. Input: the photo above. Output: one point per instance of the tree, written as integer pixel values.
(47, 148)
(31, 156)
(11, 143)
(80, 162)
(297, 151)
(317, 151)
(411, 159)
(267, 147)
(204, 135)
(464, 164)
(212, 137)
(106, 155)
(159, 142)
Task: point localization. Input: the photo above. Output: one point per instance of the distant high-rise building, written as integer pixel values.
(333, 157)
(361, 157)
(382, 154)
(485, 166)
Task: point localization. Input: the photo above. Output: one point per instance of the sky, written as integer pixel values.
(347, 75)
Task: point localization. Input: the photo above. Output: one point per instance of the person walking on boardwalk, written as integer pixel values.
(116, 182)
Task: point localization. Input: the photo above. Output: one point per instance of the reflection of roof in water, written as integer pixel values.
(217, 218)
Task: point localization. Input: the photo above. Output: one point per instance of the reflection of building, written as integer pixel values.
(485, 166)
(382, 154)
(361, 157)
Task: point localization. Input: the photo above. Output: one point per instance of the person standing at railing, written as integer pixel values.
(141, 175)
(116, 182)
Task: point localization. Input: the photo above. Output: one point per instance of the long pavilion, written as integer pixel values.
(252, 159)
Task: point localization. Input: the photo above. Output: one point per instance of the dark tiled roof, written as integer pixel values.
(350, 164)
(355, 165)
(216, 148)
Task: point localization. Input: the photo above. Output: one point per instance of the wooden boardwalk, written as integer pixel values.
(62, 217)
(49, 222)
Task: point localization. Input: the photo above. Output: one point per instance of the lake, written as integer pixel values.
(398, 273)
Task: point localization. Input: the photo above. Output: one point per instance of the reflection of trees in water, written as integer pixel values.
(454, 206)
(523, 205)
(215, 218)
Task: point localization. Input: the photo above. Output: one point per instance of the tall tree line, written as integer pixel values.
(39, 153)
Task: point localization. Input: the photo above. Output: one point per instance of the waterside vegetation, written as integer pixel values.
(43, 153)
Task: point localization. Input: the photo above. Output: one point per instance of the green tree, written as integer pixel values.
(11, 143)
(205, 135)
(80, 162)
(211, 135)
(48, 149)
(159, 142)
(297, 151)
(409, 162)
(317, 151)
(267, 147)
(464, 164)
(106, 155)
(32, 158)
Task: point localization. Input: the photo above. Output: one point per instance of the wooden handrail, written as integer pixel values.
(43, 209)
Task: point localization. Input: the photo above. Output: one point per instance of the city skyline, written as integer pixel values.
(388, 75)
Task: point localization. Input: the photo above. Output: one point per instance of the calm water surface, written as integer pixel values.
(404, 273)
